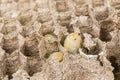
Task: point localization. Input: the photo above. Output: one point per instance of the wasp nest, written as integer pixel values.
(59, 40)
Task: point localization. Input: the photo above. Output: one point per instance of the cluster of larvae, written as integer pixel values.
(72, 43)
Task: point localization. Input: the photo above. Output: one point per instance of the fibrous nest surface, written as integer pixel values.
(32, 30)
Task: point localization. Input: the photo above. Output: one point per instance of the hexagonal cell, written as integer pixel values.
(31, 46)
(105, 28)
(47, 28)
(101, 13)
(44, 15)
(64, 18)
(10, 44)
(61, 6)
(14, 61)
(81, 10)
(34, 65)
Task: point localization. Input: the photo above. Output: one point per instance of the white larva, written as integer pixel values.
(73, 42)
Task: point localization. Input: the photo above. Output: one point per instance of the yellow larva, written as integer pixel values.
(73, 42)
(57, 55)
